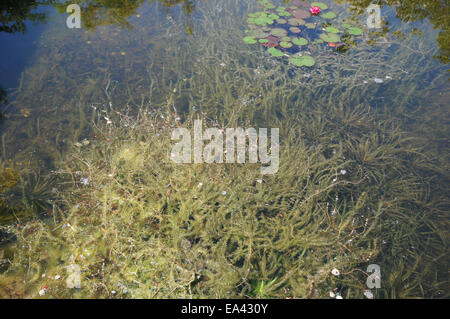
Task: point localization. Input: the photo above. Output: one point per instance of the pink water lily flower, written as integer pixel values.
(314, 10)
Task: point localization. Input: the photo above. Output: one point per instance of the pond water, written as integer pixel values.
(360, 76)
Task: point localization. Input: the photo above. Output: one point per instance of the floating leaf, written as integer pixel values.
(304, 60)
(301, 14)
(321, 5)
(270, 44)
(355, 31)
(300, 41)
(296, 21)
(329, 15)
(279, 32)
(272, 38)
(263, 41)
(330, 37)
(258, 34)
(249, 40)
(263, 21)
(286, 45)
(310, 25)
(275, 52)
(331, 30)
(295, 30)
(281, 21)
(284, 14)
(299, 3)
(267, 4)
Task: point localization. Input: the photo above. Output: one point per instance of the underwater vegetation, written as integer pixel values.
(363, 176)
(138, 225)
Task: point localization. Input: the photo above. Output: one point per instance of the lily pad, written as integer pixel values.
(355, 31)
(268, 5)
(310, 25)
(296, 21)
(281, 21)
(300, 41)
(329, 15)
(286, 45)
(263, 41)
(330, 37)
(321, 5)
(304, 60)
(279, 32)
(331, 30)
(258, 34)
(263, 21)
(284, 14)
(295, 30)
(299, 3)
(301, 14)
(275, 52)
(249, 40)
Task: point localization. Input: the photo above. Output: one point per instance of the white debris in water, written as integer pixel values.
(343, 171)
(339, 297)
(57, 277)
(259, 181)
(42, 292)
(332, 294)
(335, 272)
(224, 193)
(378, 80)
(85, 181)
